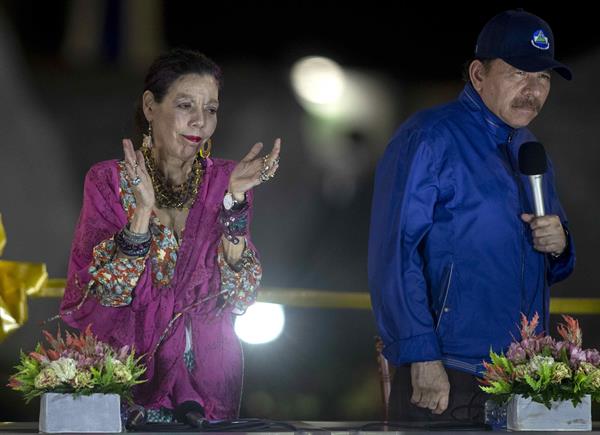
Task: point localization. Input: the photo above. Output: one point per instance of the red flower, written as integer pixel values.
(570, 331)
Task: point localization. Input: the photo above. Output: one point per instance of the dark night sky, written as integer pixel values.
(417, 42)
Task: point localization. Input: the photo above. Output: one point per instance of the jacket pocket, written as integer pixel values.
(444, 296)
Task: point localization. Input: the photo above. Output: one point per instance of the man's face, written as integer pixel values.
(515, 96)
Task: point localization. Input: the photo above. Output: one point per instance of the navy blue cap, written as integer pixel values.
(522, 40)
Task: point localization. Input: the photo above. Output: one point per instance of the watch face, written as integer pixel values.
(228, 201)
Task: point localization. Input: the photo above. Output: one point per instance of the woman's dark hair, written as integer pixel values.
(487, 63)
(166, 69)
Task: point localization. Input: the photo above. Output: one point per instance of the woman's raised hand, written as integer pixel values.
(253, 170)
(141, 184)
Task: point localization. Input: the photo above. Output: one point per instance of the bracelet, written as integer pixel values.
(136, 237)
(132, 247)
(234, 223)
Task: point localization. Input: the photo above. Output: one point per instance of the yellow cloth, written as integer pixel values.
(17, 281)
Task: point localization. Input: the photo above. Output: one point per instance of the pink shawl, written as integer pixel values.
(216, 380)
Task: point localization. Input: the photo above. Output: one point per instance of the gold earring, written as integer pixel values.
(205, 149)
(147, 141)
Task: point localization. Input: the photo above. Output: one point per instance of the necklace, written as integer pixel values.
(168, 196)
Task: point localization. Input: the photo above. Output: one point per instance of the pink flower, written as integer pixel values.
(536, 353)
(39, 357)
(577, 356)
(495, 373)
(593, 357)
(516, 354)
(123, 353)
(547, 342)
(14, 383)
(528, 328)
(558, 348)
(570, 331)
(531, 346)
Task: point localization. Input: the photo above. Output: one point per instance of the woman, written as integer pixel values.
(162, 256)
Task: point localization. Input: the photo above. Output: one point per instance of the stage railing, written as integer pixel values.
(20, 281)
(313, 298)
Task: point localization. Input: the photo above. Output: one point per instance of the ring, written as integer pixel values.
(136, 181)
(263, 177)
(266, 166)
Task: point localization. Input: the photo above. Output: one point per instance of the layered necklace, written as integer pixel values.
(168, 196)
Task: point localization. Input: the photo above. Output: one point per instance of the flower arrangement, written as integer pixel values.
(80, 365)
(543, 368)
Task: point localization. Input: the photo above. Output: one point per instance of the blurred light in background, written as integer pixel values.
(319, 82)
(261, 323)
(350, 115)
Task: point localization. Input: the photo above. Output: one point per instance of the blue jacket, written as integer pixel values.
(451, 263)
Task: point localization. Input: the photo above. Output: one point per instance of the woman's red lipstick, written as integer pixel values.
(195, 139)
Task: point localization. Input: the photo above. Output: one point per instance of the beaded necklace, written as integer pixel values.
(180, 196)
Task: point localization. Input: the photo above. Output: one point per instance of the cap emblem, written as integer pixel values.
(540, 41)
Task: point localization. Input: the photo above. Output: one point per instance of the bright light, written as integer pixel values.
(318, 80)
(261, 323)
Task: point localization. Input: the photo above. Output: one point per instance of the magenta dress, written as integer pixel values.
(148, 300)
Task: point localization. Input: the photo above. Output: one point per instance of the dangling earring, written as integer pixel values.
(147, 141)
(205, 149)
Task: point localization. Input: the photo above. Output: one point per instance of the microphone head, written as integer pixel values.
(532, 159)
(180, 412)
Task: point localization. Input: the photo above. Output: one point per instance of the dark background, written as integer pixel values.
(430, 41)
(61, 113)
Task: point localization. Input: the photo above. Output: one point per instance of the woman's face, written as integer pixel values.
(185, 118)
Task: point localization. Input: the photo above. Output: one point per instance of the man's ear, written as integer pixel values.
(477, 73)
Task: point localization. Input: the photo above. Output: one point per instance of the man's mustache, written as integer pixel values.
(527, 103)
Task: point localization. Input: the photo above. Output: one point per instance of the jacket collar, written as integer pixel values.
(492, 123)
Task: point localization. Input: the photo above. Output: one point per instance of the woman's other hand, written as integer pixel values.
(253, 170)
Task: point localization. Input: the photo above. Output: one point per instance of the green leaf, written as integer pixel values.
(535, 385)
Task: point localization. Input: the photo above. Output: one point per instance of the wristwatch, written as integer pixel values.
(229, 202)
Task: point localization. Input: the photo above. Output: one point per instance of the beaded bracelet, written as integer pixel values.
(136, 237)
(234, 223)
(132, 244)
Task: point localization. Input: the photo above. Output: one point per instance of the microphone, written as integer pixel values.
(191, 413)
(533, 163)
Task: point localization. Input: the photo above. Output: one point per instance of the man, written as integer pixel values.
(455, 255)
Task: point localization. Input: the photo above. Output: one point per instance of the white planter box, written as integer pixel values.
(524, 414)
(66, 413)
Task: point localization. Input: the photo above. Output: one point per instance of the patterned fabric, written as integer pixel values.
(156, 320)
(239, 285)
(163, 251)
(162, 415)
(115, 278)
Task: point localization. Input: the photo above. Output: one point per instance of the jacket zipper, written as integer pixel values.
(517, 178)
(444, 309)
